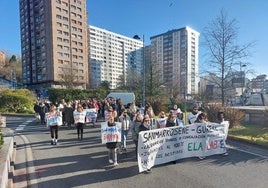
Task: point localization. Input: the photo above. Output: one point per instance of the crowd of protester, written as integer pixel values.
(134, 119)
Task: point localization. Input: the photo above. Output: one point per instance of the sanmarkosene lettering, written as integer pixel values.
(164, 133)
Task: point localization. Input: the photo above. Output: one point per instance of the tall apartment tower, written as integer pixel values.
(113, 57)
(175, 55)
(54, 43)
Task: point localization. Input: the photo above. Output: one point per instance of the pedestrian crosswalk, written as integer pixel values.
(21, 126)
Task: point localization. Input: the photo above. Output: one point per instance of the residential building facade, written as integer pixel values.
(54, 43)
(175, 55)
(2, 58)
(113, 57)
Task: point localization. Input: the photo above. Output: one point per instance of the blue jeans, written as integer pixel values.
(124, 134)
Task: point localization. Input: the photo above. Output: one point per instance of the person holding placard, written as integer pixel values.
(112, 146)
(79, 120)
(162, 120)
(54, 120)
(221, 119)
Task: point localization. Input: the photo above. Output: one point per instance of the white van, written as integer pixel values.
(126, 98)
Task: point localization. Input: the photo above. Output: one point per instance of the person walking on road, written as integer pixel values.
(79, 120)
(125, 120)
(145, 126)
(201, 118)
(54, 120)
(220, 120)
(112, 146)
(137, 120)
(42, 112)
(69, 117)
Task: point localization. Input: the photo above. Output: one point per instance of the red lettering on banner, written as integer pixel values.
(212, 145)
(111, 136)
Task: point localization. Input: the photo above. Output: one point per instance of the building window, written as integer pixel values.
(58, 17)
(65, 26)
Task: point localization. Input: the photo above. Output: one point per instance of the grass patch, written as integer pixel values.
(252, 133)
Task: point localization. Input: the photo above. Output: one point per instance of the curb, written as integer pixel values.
(12, 166)
(246, 141)
(6, 158)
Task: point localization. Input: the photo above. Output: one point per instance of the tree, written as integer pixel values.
(12, 69)
(105, 85)
(220, 37)
(69, 79)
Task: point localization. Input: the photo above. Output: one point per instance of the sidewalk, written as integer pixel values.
(24, 173)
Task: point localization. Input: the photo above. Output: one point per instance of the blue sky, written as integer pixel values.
(153, 17)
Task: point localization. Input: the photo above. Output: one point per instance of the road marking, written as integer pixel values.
(248, 152)
(21, 127)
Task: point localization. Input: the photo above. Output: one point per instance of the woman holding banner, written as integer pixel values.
(162, 120)
(171, 122)
(201, 118)
(54, 120)
(145, 126)
(221, 119)
(79, 120)
(112, 146)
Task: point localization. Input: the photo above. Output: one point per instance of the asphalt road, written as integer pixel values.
(74, 163)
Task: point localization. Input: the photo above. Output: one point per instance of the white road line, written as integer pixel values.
(21, 127)
(248, 152)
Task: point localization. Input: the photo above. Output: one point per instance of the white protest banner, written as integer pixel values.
(169, 144)
(79, 117)
(53, 119)
(110, 134)
(91, 115)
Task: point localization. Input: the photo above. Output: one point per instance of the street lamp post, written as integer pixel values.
(243, 79)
